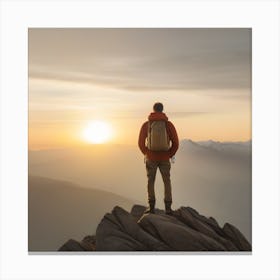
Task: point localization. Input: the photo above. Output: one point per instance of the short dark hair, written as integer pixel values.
(158, 107)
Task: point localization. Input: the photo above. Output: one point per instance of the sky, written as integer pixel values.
(202, 77)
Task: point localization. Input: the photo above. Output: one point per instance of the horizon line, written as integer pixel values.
(84, 145)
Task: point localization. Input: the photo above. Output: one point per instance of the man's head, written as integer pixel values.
(158, 107)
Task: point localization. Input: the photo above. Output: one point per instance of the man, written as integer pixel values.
(154, 142)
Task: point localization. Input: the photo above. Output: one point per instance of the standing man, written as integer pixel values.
(155, 137)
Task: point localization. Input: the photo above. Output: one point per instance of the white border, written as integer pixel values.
(17, 16)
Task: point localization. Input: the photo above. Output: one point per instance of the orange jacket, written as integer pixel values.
(158, 156)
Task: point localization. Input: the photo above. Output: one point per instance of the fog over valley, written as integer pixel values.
(213, 177)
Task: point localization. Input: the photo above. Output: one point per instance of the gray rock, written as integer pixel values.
(137, 211)
(185, 230)
(209, 221)
(203, 225)
(119, 231)
(87, 244)
(177, 235)
(237, 237)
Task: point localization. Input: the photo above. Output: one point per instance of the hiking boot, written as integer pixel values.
(168, 210)
(151, 208)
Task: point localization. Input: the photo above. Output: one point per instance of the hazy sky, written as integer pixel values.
(203, 77)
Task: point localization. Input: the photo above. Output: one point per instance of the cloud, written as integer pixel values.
(186, 114)
(144, 60)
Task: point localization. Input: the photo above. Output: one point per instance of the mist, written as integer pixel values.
(212, 177)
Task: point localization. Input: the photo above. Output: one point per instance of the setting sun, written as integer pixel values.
(97, 132)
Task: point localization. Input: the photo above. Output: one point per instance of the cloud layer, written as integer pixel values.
(144, 59)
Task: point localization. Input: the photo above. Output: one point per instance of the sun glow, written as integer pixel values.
(98, 132)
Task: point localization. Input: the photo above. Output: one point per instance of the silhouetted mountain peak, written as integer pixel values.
(185, 230)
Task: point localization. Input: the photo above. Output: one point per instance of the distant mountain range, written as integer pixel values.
(229, 148)
(225, 145)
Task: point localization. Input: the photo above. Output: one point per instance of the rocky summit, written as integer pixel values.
(185, 230)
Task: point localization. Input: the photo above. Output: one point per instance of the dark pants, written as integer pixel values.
(164, 168)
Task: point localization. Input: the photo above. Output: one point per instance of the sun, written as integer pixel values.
(97, 132)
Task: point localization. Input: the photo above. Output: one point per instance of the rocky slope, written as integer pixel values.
(185, 230)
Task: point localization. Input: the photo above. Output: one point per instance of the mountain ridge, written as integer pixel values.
(185, 230)
(59, 209)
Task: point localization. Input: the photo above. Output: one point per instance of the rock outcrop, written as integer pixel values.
(185, 230)
(87, 244)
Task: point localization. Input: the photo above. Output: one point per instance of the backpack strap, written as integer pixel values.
(149, 132)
